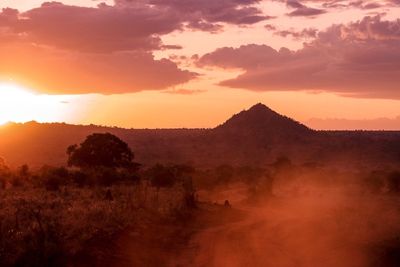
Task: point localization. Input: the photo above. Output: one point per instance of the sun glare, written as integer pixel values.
(18, 104)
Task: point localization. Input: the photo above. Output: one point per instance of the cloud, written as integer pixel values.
(126, 26)
(360, 59)
(270, 27)
(348, 124)
(307, 33)
(306, 12)
(294, 4)
(208, 14)
(102, 29)
(302, 10)
(64, 72)
(64, 49)
(345, 4)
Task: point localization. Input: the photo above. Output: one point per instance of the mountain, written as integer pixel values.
(261, 118)
(261, 121)
(259, 135)
(256, 136)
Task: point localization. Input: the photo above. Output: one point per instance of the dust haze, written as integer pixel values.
(258, 190)
(311, 220)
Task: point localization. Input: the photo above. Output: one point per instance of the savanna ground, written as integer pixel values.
(332, 228)
(281, 215)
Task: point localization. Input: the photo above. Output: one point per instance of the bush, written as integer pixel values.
(52, 178)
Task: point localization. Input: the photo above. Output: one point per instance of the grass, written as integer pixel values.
(52, 228)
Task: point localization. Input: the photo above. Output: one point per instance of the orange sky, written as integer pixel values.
(167, 64)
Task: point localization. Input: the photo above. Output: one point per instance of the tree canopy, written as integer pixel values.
(101, 150)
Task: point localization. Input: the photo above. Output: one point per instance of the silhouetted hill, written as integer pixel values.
(256, 136)
(262, 123)
(259, 133)
(261, 119)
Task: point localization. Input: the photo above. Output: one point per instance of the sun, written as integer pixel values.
(19, 104)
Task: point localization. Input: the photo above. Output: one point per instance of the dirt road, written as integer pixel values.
(324, 230)
(309, 231)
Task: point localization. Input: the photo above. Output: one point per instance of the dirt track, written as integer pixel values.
(324, 230)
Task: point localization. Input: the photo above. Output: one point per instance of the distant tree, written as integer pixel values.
(101, 150)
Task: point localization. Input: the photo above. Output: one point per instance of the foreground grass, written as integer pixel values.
(58, 228)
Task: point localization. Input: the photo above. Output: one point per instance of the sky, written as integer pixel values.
(331, 64)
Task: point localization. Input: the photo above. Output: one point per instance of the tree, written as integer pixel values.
(101, 150)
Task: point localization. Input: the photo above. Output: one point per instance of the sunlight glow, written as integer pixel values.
(18, 104)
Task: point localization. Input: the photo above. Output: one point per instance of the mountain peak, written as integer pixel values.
(263, 120)
(260, 108)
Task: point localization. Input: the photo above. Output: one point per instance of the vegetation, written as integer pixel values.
(62, 215)
(49, 216)
(101, 150)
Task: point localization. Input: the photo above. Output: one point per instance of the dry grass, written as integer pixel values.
(45, 228)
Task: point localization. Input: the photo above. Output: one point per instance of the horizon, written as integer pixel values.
(352, 125)
(156, 67)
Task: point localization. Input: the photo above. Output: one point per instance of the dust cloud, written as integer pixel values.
(315, 225)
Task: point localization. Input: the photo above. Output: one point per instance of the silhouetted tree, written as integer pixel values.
(101, 150)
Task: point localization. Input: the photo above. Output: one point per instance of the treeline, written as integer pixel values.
(284, 177)
(56, 178)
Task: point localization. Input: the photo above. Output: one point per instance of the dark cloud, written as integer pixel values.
(102, 29)
(303, 10)
(207, 14)
(306, 12)
(270, 27)
(307, 33)
(361, 4)
(360, 59)
(294, 4)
